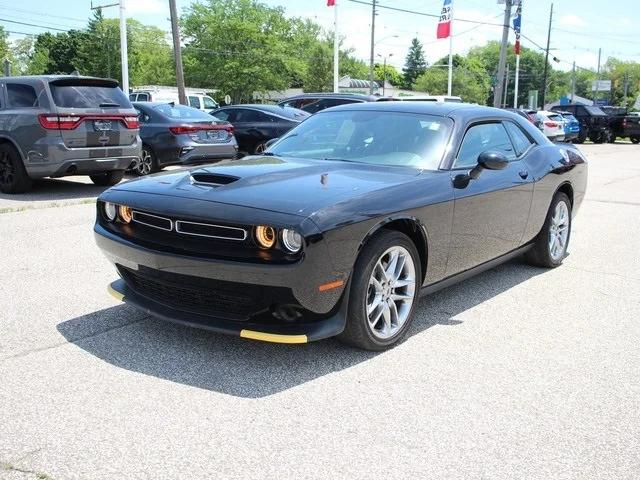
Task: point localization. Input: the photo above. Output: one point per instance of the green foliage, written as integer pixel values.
(470, 79)
(415, 64)
(319, 76)
(389, 73)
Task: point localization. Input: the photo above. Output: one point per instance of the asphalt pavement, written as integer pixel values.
(518, 373)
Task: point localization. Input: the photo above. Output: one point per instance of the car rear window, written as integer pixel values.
(82, 95)
(595, 111)
(182, 112)
(555, 118)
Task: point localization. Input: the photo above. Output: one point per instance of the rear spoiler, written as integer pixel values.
(87, 81)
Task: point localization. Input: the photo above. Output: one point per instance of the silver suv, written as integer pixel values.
(60, 125)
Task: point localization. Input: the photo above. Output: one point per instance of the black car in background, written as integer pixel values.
(255, 125)
(174, 134)
(631, 127)
(314, 102)
(346, 220)
(594, 123)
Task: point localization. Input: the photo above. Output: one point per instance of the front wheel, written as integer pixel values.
(550, 247)
(384, 291)
(260, 148)
(635, 139)
(107, 179)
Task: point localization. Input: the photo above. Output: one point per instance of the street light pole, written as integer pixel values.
(546, 59)
(123, 41)
(497, 92)
(373, 39)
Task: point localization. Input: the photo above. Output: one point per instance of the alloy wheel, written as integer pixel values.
(261, 148)
(145, 164)
(6, 169)
(559, 231)
(390, 292)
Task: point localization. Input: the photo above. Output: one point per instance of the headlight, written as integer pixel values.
(110, 211)
(265, 236)
(291, 240)
(125, 213)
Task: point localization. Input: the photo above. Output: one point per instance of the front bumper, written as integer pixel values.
(300, 332)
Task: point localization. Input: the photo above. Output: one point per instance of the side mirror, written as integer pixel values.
(492, 160)
(489, 160)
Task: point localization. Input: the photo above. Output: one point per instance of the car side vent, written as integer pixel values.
(212, 178)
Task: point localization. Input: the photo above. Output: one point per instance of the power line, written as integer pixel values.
(33, 25)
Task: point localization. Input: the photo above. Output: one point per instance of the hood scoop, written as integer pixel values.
(212, 179)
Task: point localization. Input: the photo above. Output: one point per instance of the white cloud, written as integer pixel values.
(571, 20)
(146, 6)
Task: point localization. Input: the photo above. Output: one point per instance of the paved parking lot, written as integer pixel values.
(517, 373)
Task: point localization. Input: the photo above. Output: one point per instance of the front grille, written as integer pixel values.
(230, 300)
(152, 220)
(210, 230)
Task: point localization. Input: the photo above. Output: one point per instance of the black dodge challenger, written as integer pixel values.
(340, 225)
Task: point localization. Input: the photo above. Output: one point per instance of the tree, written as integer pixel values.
(389, 73)
(415, 64)
(470, 80)
(319, 77)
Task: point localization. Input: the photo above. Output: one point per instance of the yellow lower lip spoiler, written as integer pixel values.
(273, 337)
(115, 294)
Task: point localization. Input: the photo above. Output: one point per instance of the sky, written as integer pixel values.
(579, 28)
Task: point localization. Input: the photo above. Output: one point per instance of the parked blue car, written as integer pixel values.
(571, 126)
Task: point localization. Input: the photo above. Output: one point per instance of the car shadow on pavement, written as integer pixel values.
(128, 339)
(52, 189)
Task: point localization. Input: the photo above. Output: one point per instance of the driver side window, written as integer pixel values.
(480, 138)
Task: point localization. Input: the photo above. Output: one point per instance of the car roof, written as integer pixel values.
(353, 96)
(57, 77)
(442, 109)
(286, 112)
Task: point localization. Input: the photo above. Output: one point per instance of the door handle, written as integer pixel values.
(523, 174)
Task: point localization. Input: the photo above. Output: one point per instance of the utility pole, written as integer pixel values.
(506, 87)
(573, 81)
(497, 92)
(597, 89)
(177, 52)
(123, 41)
(546, 59)
(626, 88)
(373, 39)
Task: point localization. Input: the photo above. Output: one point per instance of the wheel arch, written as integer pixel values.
(10, 141)
(413, 228)
(567, 189)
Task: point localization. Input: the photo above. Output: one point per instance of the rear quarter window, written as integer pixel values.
(88, 96)
(20, 95)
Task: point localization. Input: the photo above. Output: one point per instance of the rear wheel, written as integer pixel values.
(611, 138)
(107, 179)
(259, 148)
(635, 139)
(384, 291)
(148, 162)
(582, 136)
(13, 176)
(550, 247)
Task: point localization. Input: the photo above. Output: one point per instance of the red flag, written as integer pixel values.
(444, 24)
(331, 3)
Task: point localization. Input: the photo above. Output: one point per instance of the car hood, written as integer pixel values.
(285, 185)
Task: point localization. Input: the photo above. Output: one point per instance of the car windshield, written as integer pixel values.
(182, 112)
(373, 137)
(594, 110)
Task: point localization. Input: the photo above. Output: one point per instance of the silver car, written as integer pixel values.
(60, 125)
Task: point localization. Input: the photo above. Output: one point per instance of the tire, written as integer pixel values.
(635, 139)
(259, 148)
(611, 136)
(13, 176)
(542, 254)
(107, 179)
(582, 136)
(381, 333)
(148, 162)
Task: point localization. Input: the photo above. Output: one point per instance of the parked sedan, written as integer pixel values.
(175, 134)
(551, 124)
(343, 222)
(255, 125)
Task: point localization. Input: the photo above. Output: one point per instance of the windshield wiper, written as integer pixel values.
(341, 160)
(109, 105)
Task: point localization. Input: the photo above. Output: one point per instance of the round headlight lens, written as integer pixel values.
(125, 213)
(265, 236)
(110, 211)
(291, 240)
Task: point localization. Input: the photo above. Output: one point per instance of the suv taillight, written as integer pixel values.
(59, 122)
(51, 121)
